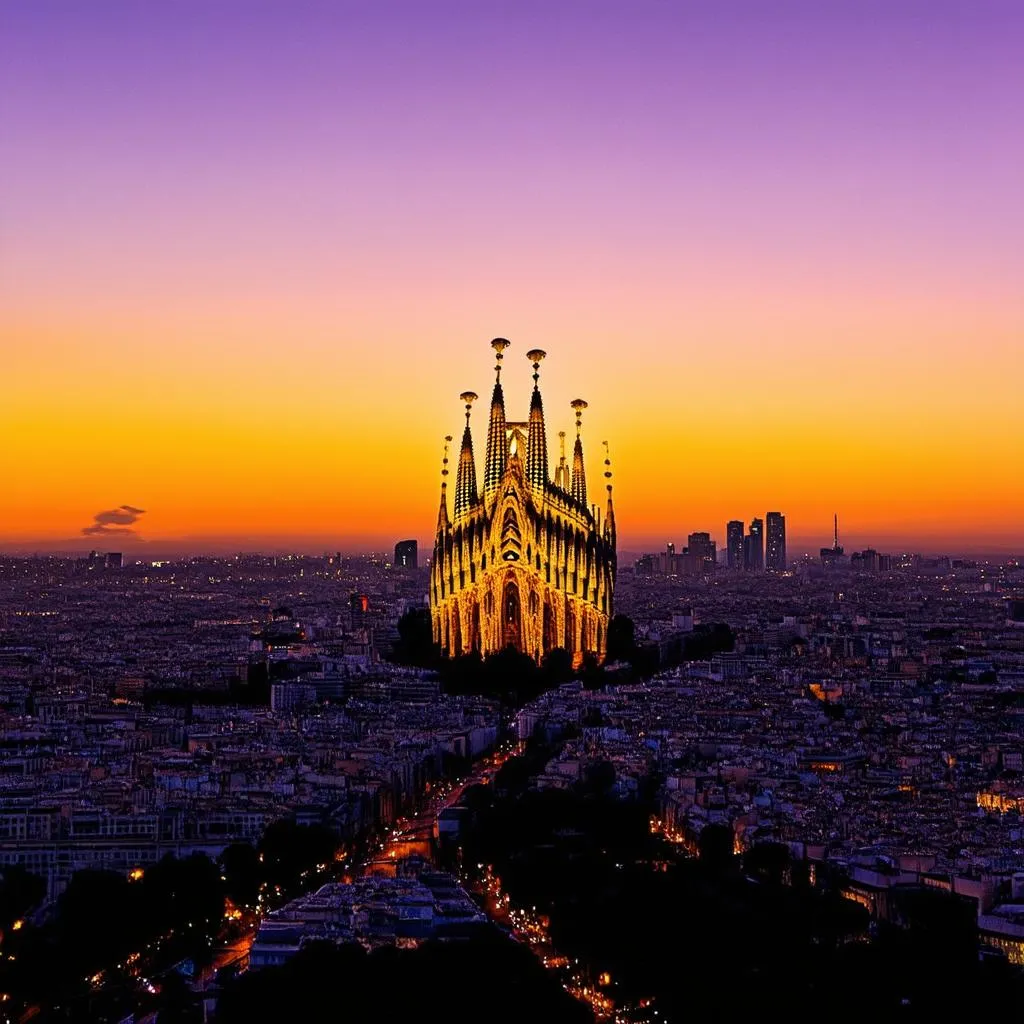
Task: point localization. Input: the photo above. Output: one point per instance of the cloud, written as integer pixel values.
(115, 522)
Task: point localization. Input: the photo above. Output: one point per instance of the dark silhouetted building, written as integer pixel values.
(775, 542)
(406, 556)
(644, 565)
(115, 560)
(700, 555)
(753, 547)
(869, 560)
(734, 544)
(667, 562)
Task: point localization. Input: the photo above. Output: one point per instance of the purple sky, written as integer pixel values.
(705, 209)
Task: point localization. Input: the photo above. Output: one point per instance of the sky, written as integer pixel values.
(251, 253)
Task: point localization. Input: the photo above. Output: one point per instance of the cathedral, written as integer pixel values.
(525, 560)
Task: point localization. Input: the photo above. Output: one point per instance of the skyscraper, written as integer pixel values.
(406, 554)
(775, 542)
(734, 544)
(753, 547)
(526, 561)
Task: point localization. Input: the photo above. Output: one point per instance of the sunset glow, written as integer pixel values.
(252, 253)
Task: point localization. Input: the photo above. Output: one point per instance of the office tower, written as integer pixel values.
(775, 542)
(734, 544)
(753, 547)
(406, 556)
(115, 560)
(525, 561)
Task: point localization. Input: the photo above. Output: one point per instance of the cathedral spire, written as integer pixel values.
(609, 519)
(465, 482)
(442, 513)
(579, 476)
(561, 470)
(497, 444)
(536, 441)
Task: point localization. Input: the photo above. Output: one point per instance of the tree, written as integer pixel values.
(240, 865)
(769, 862)
(288, 850)
(707, 640)
(415, 644)
(98, 920)
(621, 638)
(495, 980)
(591, 673)
(183, 895)
(20, 892)
(556, 666)
(178, 1003)
(599, 777)
(714, 846)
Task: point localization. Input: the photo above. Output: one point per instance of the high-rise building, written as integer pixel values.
(753, 547)
(775, 542)
(734, 544)
(114, 560)
(406, 554)
(527, 561)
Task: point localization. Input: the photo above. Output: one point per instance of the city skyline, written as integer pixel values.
(250, 262)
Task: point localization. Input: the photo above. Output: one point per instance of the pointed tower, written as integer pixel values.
(579, 475)
(497, 444)
(561, 470)
(465, 482)
(443, 522)
(537, 440)
(609, 516)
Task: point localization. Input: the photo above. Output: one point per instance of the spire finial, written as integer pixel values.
(469, 397)
(442, 513)
(444, 461)
(499, 345)
(578, 405)
(536, 356)
(561, 444)
(607, 467)
(609, 518)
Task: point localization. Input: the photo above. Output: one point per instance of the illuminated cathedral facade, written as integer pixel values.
(523, 560)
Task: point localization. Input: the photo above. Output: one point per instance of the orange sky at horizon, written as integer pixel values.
(342, 438)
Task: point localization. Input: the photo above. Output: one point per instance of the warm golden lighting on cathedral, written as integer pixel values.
(525, 562)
